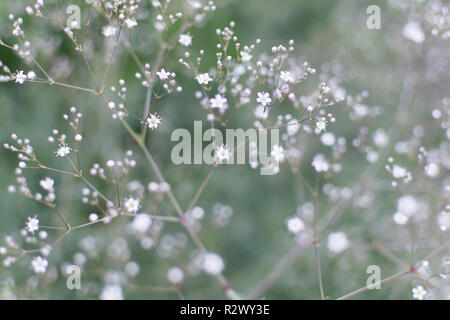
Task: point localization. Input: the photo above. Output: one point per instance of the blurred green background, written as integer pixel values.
(255, 237)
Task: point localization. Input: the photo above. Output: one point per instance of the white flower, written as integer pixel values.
(223, 153)
(32, 224)
(185, 40)
(443, 220)
(111, 292)
(130, 23)
(419, 293)
(261, 113)
(20, 77)
(109, 31)
(413, 31)
(277, 152)
(141, 223)
(380, 138)
(213, 263)
(203, 78)
(163, 75)
(400, 218)
(39, 264)
(219, 102)
(47, 184)
(398, 172)
(264, 98)
(432, 170)
(337, 242)
(328, 139)
(63, 150)
(320, 163)
(295, 224)
(321, 125)
(175, 275)
(245, 56)
(407, 205)
(153, 121)
(132, 205)
(286, 76)
(31, 75)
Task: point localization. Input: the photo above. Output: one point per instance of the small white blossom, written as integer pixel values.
(131, 23)
(337, 242)
(141, 223)
(39, 264)
(321, 125)
(203, 78)
(109, 31)
(132, 205)
(47, 184)
(20, 77)
(278, 153)
(185, 40)
(295, 225)
(286, 76)
(163, 75)
(153, 121)
(223, 153)
(32, 224)
(320, 163)
(213, 263)
(63, 150)
(264, 98)
(419, 293)
(219, 102)
(175, 275)
(111, 292)
(245, 56)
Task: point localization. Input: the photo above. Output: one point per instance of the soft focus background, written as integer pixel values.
(255, 236)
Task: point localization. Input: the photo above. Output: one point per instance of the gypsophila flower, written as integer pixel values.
(264, 98)
(47, 184)
(185, 40)
(321, 125)
(337, 242)
(419, 293)
(163, 75)
(141, 223)
(277, 153)
(295, 225)
(109, 31)
(286, 76)
(222, 153)
(245, 56)
(39, 264)
(132, 205)
(20, 77)
(320, 163)
(218, 102)
(175, 275)
(131, 23)
(32, 224)
(203, 78)
(111, 292)
(63, 150)
(153, 121)
(213, 263)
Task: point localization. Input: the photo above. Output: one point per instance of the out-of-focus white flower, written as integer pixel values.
(111, 292)
(175, 275)
(185, 40)
(419, 293)
(295, 225)
(39, 264)
(47, 184)
(222, 153)
(337, 242)
(109, 31)
(278, 153)
(213, 263)
(413, 31)
(320, 163)
(141, 223)
(131, 23)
